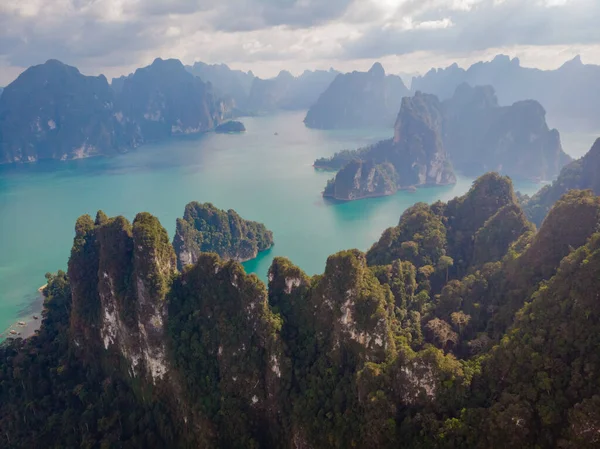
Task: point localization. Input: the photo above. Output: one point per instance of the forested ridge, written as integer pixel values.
(462, 327)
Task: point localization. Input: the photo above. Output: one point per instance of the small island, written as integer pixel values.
(230, 127)
(204, 228)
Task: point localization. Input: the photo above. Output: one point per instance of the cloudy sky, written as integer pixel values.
(116, 36)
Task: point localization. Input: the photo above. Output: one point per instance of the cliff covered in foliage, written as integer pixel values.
(469, 133)
(204, 228)
(414, 157)
(163, 99)
(462, 327)
(52, 111)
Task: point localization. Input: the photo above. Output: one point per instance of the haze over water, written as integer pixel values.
(263, 176)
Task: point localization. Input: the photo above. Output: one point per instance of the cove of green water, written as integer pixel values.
(264, 176)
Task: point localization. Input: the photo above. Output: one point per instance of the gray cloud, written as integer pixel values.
(104, 34)
(74, 30)
(487, 24)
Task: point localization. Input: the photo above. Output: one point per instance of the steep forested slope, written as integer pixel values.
(462, 327)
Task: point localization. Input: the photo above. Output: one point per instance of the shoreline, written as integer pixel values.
(28, 323)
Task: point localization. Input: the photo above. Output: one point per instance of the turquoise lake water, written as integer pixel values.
(263, 176)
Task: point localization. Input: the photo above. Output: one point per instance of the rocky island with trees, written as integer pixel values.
(463, 326)
(469, 134)
(206, 229)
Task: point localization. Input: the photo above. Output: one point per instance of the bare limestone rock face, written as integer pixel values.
(120, 276)
(126, 292)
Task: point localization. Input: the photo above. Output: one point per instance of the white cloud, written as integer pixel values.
(435, 24)
(115, 36)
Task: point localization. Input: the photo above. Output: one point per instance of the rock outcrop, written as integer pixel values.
(419, 154)
(120, 275)
(362, 179)
(229, 353)
(358, 99)
(51, 111)
(206, 229)
(414, 157)
(164, 99)
(461, 326)
(469, 133)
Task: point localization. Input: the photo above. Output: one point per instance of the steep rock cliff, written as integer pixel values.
(359, 179)
(226, 346)
(120, 275)
(163, 99)
(51, 111)
(420, 157)
(468, 132)
(414, 157)
(381, 350)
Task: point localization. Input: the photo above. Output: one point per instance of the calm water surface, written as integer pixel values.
(263, 176)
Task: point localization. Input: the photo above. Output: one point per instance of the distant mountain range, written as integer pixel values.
(570, 94)
(53, 111)
(288, 92)
(229, 84)
(249, 94)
